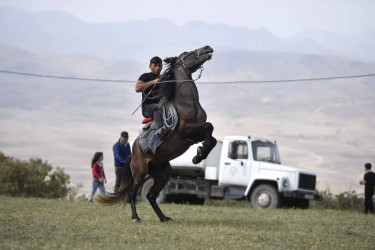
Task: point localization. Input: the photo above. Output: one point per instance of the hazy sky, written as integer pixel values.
(281, 17)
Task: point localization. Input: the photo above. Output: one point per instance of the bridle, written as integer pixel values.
(183, 65)
(196, 58)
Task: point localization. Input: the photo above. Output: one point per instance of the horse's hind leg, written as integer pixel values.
(139, 170)
(160, 174)
(209, 143)
(133, 200)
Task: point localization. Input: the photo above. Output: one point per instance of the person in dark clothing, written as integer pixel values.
(121, 151)
(369, 182)
(150, 105)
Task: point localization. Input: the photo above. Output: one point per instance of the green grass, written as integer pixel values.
(29, 223)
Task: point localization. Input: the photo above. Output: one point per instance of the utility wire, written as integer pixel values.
(62, 77)
(208, 82)
(294, 80)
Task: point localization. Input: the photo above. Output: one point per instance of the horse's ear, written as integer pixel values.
(170, 60)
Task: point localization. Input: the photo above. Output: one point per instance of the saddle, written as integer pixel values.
(149, 140)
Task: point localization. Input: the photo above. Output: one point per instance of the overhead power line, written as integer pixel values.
(295, 80)
(208, 82)
(62, 77)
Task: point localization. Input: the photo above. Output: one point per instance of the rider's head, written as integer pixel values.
(156, 65)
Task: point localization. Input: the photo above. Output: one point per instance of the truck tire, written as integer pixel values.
(147, 185)
(265, 196)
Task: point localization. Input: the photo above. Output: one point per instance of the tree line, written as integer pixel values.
(32, 178)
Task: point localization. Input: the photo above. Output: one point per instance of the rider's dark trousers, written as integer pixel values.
(154, 110)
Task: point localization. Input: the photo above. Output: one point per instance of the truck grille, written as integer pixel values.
(307, 181)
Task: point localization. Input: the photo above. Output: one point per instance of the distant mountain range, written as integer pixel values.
(224, 66)
(57, 33)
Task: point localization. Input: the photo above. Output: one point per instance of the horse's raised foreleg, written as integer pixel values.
(203, 132)
(160, 174)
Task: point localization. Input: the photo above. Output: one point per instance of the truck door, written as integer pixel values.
(236, 165)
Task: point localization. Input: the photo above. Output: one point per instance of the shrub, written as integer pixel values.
(33, 178)
(328, 201)
(348, 200)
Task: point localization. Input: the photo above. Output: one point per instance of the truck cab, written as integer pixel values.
(255, 164)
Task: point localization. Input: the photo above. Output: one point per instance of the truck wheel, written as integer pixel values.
(147, 185)
(265, 196)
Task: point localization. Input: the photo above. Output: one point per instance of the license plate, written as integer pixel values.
(309, 196)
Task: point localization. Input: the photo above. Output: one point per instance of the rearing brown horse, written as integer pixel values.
(192, 128)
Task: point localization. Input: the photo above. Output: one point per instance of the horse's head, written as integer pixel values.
(193, 60)
(189, 61)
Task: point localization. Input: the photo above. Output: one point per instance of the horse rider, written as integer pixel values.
(150, 104)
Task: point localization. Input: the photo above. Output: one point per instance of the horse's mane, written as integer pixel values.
(167, 89)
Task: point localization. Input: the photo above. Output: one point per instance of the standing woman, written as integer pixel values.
(98, 175)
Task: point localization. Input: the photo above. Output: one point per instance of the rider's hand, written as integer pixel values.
(100, 180)
(156, 80)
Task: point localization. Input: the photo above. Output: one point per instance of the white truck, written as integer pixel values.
(240, 167)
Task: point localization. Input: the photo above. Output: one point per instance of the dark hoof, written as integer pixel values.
(199, 151)
(166, 219)
(197, 159)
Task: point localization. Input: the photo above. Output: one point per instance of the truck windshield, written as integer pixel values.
(265, 151)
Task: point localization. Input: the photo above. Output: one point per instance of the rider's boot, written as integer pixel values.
(158, 118)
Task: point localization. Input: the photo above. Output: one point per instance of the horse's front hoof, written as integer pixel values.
(166, 219)
(199, 151)
(196, 160)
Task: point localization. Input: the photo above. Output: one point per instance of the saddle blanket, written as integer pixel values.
(149, 141)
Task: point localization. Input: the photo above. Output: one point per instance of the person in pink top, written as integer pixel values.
(98, 175)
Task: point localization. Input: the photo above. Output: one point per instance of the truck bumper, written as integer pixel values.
(302, 195)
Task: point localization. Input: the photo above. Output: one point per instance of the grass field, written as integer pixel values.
(30, 223)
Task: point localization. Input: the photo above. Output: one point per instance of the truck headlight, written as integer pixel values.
(285, 183)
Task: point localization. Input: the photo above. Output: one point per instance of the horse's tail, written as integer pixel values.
(122, 194)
